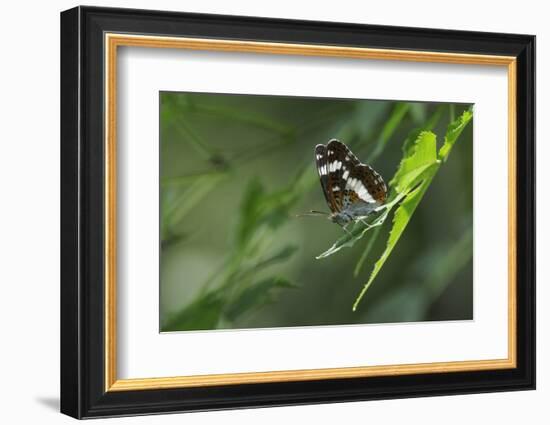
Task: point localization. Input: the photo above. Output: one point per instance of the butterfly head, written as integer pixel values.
(341, 218)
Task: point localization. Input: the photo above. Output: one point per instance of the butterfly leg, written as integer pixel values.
(346, 230)
(365, 223)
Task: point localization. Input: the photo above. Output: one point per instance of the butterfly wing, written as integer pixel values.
(345, 180)
(327, 181)
(365, 184)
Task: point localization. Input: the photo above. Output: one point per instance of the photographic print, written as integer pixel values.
(279, 211)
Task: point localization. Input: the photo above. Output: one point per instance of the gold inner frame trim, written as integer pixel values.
(113, 41)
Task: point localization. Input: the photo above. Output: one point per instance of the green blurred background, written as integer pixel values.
(236, 169)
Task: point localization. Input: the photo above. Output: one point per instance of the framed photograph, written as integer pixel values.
(261, 212)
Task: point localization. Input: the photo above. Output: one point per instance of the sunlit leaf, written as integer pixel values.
(412, 166)
(421, 158)
(408, 149)
(409, 144)
(453, 132)
(401, 218)
(414, 175)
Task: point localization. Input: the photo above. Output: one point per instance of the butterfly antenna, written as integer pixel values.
(313, 213)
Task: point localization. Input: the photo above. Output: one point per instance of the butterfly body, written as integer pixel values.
(353, 190)
(353, 213)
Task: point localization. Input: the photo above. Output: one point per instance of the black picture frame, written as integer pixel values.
(83, 392)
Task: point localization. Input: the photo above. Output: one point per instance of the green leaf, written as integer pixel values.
(279, 257)
(260, 208)
(421, 157)
(248, 117)
(363, 121)
(398, 113)
(418, 169)
(401, 218)
(452, 112)
(359, 229)
(410, 141)
(191, 138)
(418, 112)
(366, 251)
(202, 314)
(186, 179)
(454, 130)
(172, 239)
(415, 296)
(255, 296)
(408, 149)
(250, 211)
(447, 263)
(183, 201)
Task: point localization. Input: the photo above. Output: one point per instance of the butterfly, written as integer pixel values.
(353, 190)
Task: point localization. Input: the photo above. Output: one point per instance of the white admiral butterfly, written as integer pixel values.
(353, 190)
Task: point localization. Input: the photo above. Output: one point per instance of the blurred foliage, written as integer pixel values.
(235, 170)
